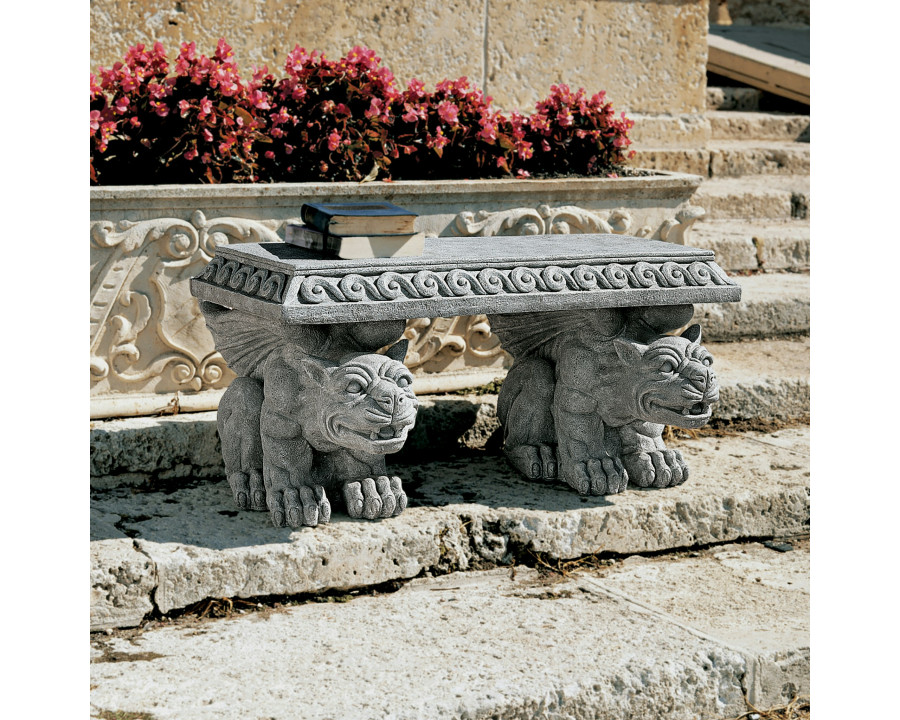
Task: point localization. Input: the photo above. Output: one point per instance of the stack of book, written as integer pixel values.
(357, 230)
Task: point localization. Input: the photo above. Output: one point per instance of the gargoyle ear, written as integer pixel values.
(628, 350)
(397, 351)
(692, 333)
(311, 372)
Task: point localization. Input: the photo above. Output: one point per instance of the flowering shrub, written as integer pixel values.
(198, 125)
(330, 120)
(454, 133)
(327, 121)
(571, 134)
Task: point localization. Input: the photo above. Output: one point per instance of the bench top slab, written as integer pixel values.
(463, 276)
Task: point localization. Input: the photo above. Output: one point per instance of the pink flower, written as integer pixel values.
(95, 121)
(205, 107)
(448, 112)
(288, 149)
(121, 105)
(269, 155)
(416, 88)
(488, 132)
(223, 50)
(376, 108)
(207, 135)
(160, 108)
(190, 154)
(184, 106)
(135, 122)
(334, 140)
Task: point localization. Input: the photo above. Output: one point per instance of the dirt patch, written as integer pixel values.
(729, 428)
(796, 709)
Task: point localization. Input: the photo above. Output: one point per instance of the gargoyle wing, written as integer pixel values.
(525, 333)
(246, 341)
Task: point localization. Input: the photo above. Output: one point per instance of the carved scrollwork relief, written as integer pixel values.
(146, 329)
(570, 219)
(435, 343)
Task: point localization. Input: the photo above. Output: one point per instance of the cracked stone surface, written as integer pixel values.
(674, 637)
(463, 512)
(122, 580)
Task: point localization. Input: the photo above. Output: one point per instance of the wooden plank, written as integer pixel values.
(771, 59)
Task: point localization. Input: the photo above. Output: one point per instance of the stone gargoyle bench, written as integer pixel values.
(595, 376)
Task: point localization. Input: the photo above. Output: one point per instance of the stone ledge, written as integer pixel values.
(754, 198)
(464, 512)
(748, 245)
(667, 637)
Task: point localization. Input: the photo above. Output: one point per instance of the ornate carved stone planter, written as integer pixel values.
(150, 348)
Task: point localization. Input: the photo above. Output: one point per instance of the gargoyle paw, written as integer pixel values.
(660, 468)
(599, 476)
(248, 489)
(298, 506)
(374, 498)
(533, 461)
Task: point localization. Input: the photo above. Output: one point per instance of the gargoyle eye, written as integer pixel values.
(354, 387)
(668, 366)
(707, 360)
(403, 381)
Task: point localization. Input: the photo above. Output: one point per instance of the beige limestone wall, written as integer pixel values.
(650, 56)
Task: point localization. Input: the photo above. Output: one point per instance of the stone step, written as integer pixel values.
(772, 305)
(740, 125)
(675, 637)
(758, 379)
(754, 198)
(729, 158)
(742, 245)
(733, 98)
(161, 551)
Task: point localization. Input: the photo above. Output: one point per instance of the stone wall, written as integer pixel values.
(650, 56)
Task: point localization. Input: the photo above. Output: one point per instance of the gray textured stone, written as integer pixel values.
(445, 422)
(194, 545)
(635, 640)
(589, 395)
(463, 275)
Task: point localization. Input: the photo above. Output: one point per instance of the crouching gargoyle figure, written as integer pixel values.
(312, 414)
(590, 393)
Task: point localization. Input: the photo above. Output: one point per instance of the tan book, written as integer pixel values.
(355, 247)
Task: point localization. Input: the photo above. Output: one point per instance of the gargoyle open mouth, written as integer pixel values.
(690, 416)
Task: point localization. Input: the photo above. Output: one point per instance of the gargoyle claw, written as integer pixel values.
(373, 498)
(660, 469)
(599, 476)
(299, 506)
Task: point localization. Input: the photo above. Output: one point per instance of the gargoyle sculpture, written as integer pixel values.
(314, 412)
(590, 392)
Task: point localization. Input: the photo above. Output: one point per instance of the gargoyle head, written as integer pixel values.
(673, 380)
(365, 403)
